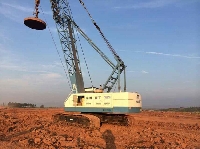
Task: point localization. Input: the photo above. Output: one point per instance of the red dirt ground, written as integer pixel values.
(34, 128)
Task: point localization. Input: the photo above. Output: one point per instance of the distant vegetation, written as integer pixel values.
(21, 105)
(42, 106)
(182, 109)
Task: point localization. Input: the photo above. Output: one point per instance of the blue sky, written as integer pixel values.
(157, 39)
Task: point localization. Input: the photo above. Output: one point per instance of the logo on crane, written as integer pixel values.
(107, 97)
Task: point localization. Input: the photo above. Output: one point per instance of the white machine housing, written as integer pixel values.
(113, 102)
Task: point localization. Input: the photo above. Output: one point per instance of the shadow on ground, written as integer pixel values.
(110, 139)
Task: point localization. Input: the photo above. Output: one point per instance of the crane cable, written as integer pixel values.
(56, 49)
(101, 33)
(81, 46)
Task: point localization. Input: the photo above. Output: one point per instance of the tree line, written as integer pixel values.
(183, 109)
(21, 105)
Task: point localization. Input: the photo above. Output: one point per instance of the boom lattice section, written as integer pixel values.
(61, 15)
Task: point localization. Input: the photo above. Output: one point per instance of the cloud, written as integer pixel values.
(132, 71)
(51, 76)
(164, 54)
(144, 72)
(18, 7)
(31, 76)
(28, 81)
(8, 13)
(25, 8)
(31, 73)
(51, 66)
(2, 49)
(4, 37)
(43, 73)
(10, 67)
(16, 12)
(174, 55)
(9, 61)
(12, 12)
(14, 62)
(151, 4)
(24, 68)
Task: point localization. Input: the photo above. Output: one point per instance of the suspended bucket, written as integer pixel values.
(35, 23)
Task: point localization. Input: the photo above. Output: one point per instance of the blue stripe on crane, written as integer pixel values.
(110, 110)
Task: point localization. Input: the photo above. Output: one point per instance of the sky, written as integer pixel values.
(158, 40)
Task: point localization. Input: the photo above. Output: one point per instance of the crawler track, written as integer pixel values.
(114, 119)
(93, 120)
(83, 120)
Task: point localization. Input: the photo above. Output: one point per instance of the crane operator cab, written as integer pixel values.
(78, 100)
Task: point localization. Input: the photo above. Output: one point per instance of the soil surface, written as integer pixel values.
(35, 128)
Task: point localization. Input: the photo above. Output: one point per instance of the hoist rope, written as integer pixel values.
(56, 49)
(115, 87)
(101, 33)
(81, 47)
(85, 61)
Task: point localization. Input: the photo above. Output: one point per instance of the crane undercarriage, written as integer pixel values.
(93, 120)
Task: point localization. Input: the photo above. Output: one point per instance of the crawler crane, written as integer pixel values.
(88, 106)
